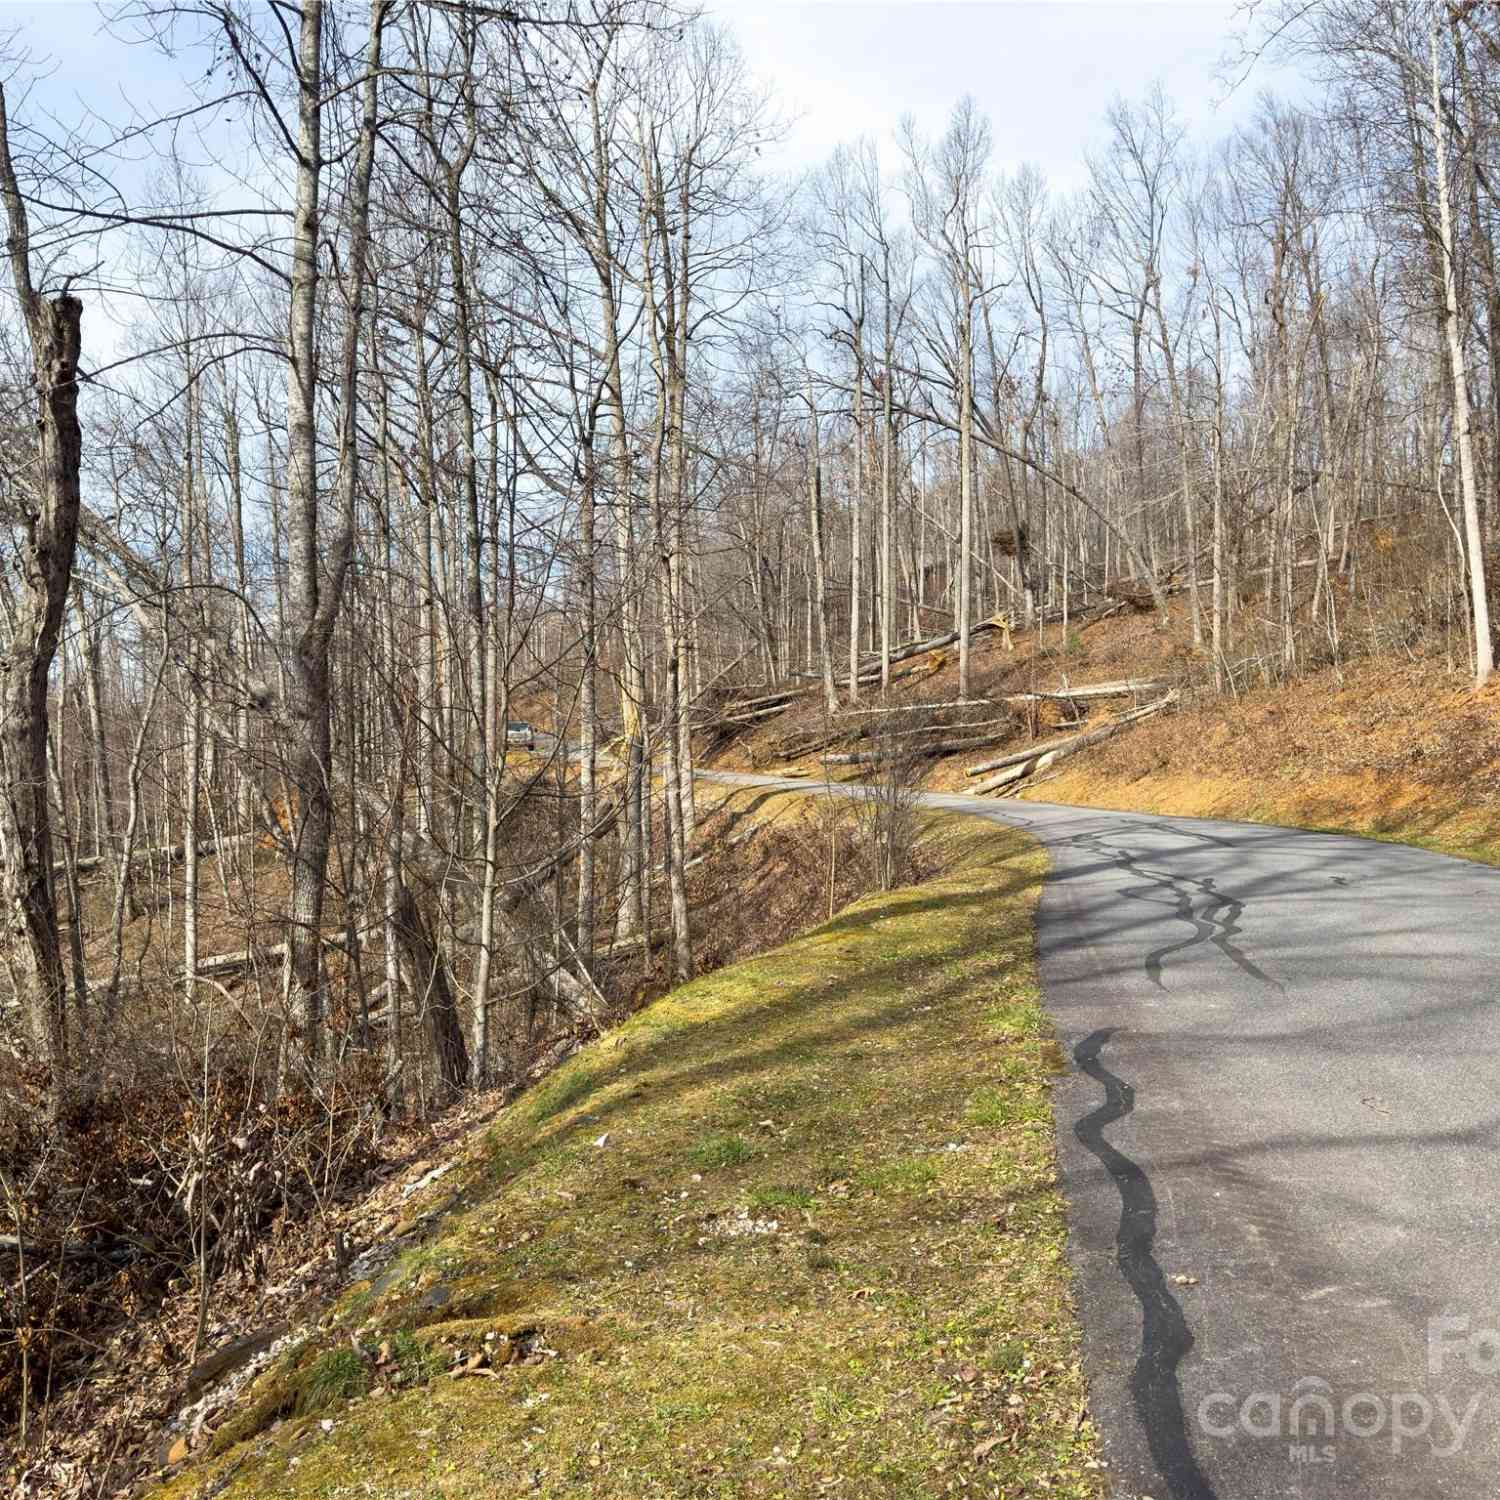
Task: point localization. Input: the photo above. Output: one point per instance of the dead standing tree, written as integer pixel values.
(45, 564)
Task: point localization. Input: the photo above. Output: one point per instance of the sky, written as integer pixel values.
(1044, 70)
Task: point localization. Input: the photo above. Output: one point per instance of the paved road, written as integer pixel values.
(1279, 1147)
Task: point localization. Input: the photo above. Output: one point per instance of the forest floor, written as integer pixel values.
(1396, 746)
(792, 1230)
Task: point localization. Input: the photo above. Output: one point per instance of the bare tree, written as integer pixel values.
(49, 542)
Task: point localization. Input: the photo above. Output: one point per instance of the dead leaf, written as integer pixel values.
(983, 1450)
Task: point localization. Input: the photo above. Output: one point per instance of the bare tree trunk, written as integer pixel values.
(310, 768)
(965, 485)
(45, 566)
(588, 705)
(439, 1010)
(857, 508)
(887, 482)
(819, 567)
(314, 601)
(1484, 654)
(192, 768)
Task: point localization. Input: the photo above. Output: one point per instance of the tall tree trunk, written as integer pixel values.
(819, 566)
(310, 767)
(192, 769)
(313, 602)
(965, 485)
(1484, 654)
(45, 565)
(887, 482)
(857, 508)
(588, 705)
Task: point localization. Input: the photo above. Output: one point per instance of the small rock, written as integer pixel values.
(427, 1181)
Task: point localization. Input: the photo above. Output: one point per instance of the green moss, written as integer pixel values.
(565, 1089)
(651, 1333)
(777, 1195)
(912, 1175)
(721, 1150)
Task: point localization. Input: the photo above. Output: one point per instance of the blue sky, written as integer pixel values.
(1043, 70)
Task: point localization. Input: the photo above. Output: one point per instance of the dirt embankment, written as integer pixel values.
(1397, 747)
(1401, 751)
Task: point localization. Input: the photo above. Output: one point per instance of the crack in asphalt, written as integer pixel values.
(1165, 1336)
(1180, 892)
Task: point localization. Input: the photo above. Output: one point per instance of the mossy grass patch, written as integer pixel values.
(793, 1231)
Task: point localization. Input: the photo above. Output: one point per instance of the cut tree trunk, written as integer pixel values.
(1122, 689)
(1039, 758)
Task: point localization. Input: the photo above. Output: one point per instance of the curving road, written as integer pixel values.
(1279, 1147)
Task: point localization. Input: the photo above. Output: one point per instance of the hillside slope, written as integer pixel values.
(1396, 745)
(792, 1230)
(1402, 750)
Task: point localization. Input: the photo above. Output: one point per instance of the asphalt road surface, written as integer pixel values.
(1279, 1148)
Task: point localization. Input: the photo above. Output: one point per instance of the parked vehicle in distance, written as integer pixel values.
(520, 733)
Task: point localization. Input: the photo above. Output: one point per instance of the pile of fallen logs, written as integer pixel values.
(1021, 765)
(925, 740)
(749, 710)
(923, 730)
(935, 739)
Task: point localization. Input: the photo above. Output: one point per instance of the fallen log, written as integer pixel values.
(170, 853)
(936, 747)
(749, 718)
(1121, 689)
(753, 710)
(907, 734)
(1132, 596)
(934, 643)
(11, 1244)
(1042, 759)
(1015, 757)
(913, 708)
(870, 731)
(869, 670)
(775, 699)
(217, 964)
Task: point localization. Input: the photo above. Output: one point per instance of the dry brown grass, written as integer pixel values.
(1395, 745)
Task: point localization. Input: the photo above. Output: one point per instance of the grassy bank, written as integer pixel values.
(792, 1231)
